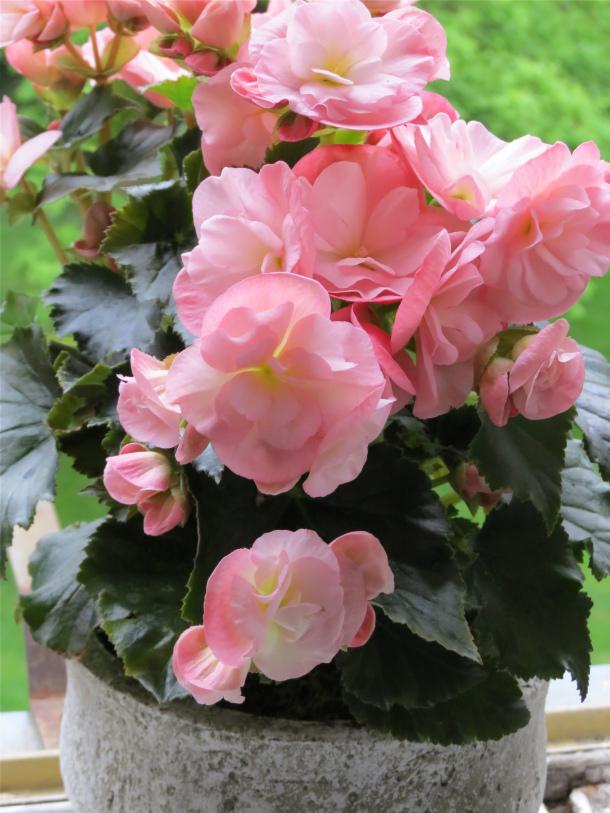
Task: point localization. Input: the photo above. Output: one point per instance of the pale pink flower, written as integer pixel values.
(84, 13)
(543, 377)
(16, 158)
(378, 7)
(217, 23)
(139, 476)
(56, 85)
(97, 219)
(146, 412)
(234, 131)
(291, 601)
(247, 223)
(444, 310)
(128, 13)
(200, 672)
(432, 104)
(279, 388)
(41, 21)
(331, 62)
(551, 234)
(462, 164)
(372, 227)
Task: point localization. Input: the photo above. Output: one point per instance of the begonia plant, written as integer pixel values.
(309, 350)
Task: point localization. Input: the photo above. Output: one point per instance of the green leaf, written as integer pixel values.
(113, 58)
(83, 395)
(525, 456)
(488, 711)
(179, 91)
(432, 604)
(147, 236)
(593, 409)
(396, 667)
(99, 308)
(585, 507)
(28, 457)
(290, 151)
(18, 310)
(20, 204)
(533, 613)
(137, 142)
(59, 611)
(194, 170)
(89, 114)
(138, 583)
(58, 186)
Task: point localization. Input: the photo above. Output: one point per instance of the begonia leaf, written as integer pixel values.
(593, 409)
(89, 114)
(179, 91)
(137, 141)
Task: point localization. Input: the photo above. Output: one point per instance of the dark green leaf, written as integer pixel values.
(18, 309)
(85, 447)
(137, 142)
(57, 186)
(525, 456)
(396, 667)
(533, 613)
(87, 391)
(59, 611)
(147, 236)
(290, 151)
(178, 91)
(138, 583)
(89, 114)
(585, 507)
(194, 170)
(432, 603)
(28, 457)
(98, 307)
(593, 409)
(488, 711)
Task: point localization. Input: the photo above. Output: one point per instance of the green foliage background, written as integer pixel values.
(538, 66)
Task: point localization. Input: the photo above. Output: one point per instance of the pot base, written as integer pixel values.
(121, 754)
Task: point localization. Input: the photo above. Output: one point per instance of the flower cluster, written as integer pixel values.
(283, 606)
(359, 250)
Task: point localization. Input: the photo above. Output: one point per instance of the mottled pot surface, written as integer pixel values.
(123, 754)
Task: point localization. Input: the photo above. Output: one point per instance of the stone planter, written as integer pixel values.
(122, 754)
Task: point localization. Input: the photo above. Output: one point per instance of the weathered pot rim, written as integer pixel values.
(254, 725)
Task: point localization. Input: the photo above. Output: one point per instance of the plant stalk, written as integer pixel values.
(41, 217)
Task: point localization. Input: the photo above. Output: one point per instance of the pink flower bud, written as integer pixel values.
(97, 220)
(139, 476)
(474, 488)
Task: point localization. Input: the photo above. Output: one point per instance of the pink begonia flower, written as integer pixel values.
(97, 219)
(16, 158)
(234, 131)
(147, 414)
(85, 13)
(331, 62)
(128, 13)
(462, 164)
(474, 488)
(397, 367)
(200, 672)
(372, 227)
(217, 23)
(56, 85)
(41, 21)
(551, 234)
(247, 223)
(543, 377)
(378, 7)
(139, 476)
(445, 311)
(280, 389)
(432, 103)
(291, 601)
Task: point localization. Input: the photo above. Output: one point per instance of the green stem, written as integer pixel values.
(73, 52)
(96, 50)
(114, 49)
(41, 217)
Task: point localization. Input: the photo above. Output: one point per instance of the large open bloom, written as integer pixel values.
(146, 412)
(141, 477)
(462, 164)
(279, 388)
(332, 62)
(15, 157)
(41, 21)
(444, 309)
(551, 234)
(247, 223)
(234, 131)
(372, 227)
(285, 605)
(217, 23)
(543, 377)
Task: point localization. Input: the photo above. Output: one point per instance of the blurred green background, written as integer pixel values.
(520, 66)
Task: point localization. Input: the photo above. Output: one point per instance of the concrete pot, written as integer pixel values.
(121, 753)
